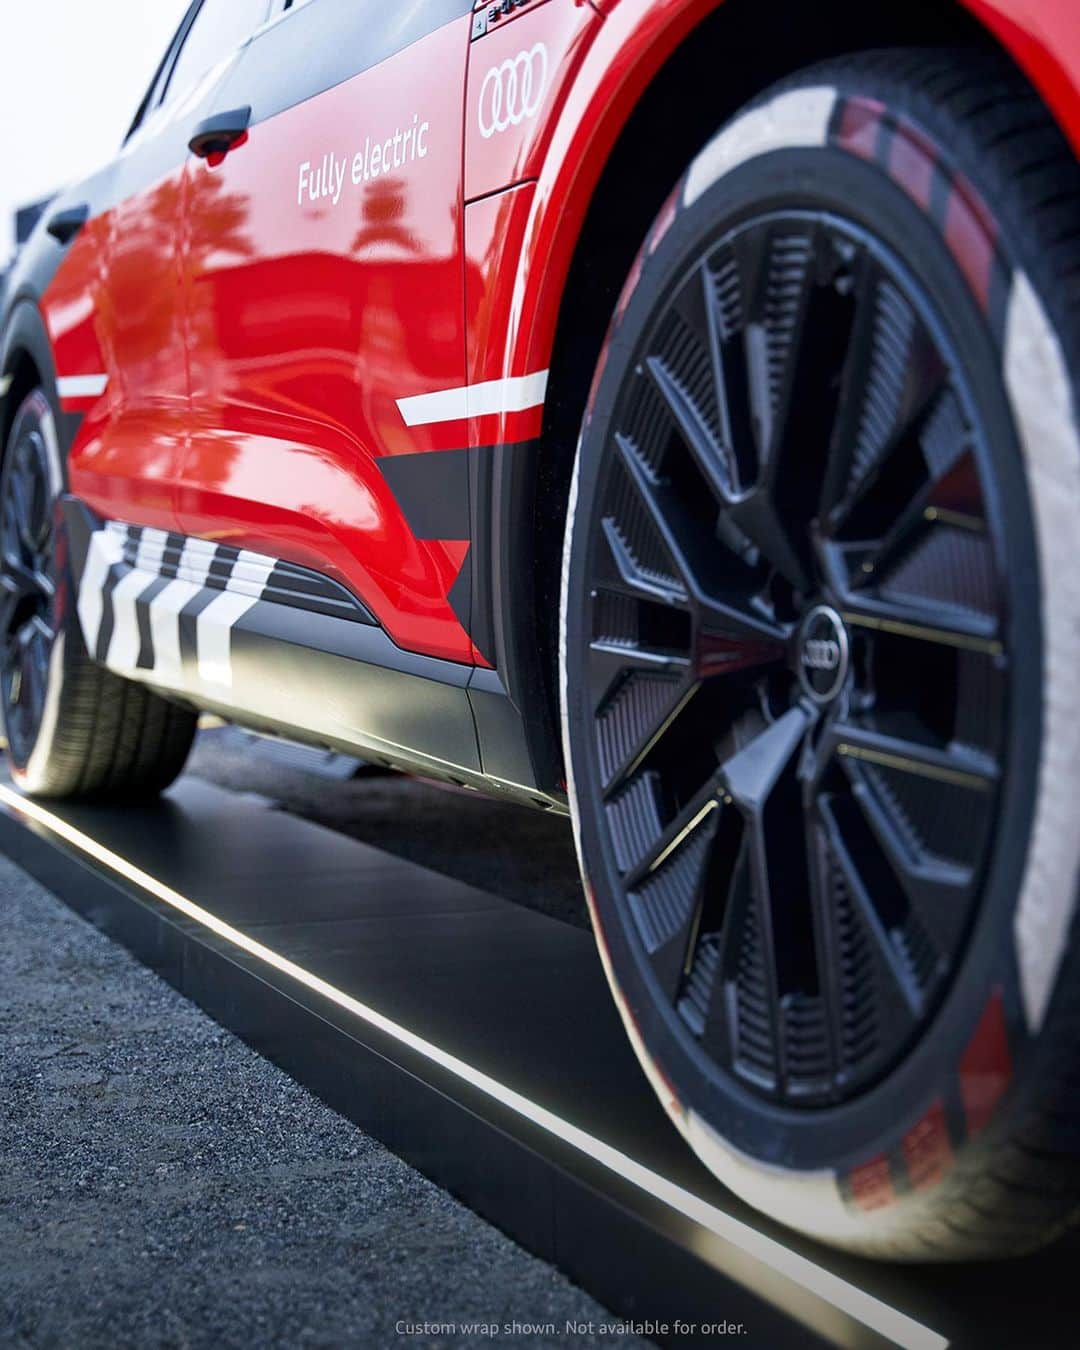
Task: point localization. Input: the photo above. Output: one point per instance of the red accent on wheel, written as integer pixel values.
(927, 1149)
(986, 1067)
(912, 162)
(971, 234)
(860, 127)
(872, 1184)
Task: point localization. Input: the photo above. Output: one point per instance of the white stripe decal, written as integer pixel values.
(151, 549)
(213, 636)
(798, 119)
(196, 558)
(252, 568)
(165, 629)
(81, 386)
(748, 1242)
(515, 394)
(123, 653)
(104, 550)
(5, 384)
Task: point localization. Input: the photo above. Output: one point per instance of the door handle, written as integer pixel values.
(66, 224)
(218, 134)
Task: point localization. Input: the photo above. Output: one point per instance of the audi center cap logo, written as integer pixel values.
(513, 91)
(823, 653)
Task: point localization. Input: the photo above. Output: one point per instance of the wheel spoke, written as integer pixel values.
(752, 773)
(936, 889)
(892, 382)
(719, 651)
(679, 534)
(685, 368)
(32, 685)
(735, 613)
(758, 933)
(25, 582)
(640, 712)
(804, 328)
(826, 954)
(911, 518)
(698, 441)
(619, 571)
(950, 626)
(721, 292)
(677, 904)
(758, 518)
(693, 815)
(905, 993)
(612, 661)
(960, 767)
(761, 778)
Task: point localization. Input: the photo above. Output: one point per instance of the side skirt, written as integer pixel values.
(279, 648)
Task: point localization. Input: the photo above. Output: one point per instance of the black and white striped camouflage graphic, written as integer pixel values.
(164, 606)
(269, 643)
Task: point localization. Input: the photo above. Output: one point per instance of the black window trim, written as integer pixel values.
(162, 75)
(159, 86)
(280, 8)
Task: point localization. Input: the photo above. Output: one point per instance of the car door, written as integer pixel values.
(120, 289)
(326, 291)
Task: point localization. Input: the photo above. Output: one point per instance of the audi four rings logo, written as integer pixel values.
(821, 654)
(513, 91)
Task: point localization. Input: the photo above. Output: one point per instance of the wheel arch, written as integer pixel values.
(607, 174)
(27, 362)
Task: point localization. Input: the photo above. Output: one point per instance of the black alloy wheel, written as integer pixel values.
(27, 587)
(797, 665)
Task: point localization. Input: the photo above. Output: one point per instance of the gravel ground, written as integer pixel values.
(522, 854)
(163, 1185)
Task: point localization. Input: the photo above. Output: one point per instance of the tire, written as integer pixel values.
(820, 715)
(73, 728)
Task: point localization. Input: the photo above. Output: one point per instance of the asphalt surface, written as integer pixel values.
(163, 1185)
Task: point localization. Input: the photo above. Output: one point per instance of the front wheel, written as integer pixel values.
(821, 622)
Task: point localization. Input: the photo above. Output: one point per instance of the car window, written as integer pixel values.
(153, 94)
(219, 28)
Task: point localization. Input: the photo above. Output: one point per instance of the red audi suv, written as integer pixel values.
(658, 411)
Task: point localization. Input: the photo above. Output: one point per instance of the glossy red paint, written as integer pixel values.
(518, 74)
(71, 307)
(115, 312)
(326, 283)
(625, 52)
(494, 239)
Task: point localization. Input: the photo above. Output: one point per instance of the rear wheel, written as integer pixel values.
(74, 729)
(820, 617)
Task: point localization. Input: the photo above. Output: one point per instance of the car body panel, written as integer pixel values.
(519, 73)
(323, 289)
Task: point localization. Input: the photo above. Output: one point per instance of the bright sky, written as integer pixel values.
(73, 75)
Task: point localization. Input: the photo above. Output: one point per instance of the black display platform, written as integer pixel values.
(479, 1041)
